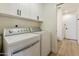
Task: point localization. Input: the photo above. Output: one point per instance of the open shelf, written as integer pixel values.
(19, 17)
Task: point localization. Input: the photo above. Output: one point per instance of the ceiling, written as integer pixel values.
(69, 7)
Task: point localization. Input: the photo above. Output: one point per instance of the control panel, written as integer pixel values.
(13, 31)
(35, 29)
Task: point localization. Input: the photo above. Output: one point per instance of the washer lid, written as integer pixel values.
(17, 38)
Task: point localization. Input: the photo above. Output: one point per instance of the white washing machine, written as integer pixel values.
(44, 40)
(19, 42)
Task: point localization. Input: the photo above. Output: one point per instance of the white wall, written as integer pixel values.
(50, 23)
(78, 30)
(11, 22)
(77, 13)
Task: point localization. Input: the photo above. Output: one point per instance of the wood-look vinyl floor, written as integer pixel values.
(68, 48)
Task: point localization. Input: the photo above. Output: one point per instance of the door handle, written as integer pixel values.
(17, 11)
(20, 12)
(66, 28)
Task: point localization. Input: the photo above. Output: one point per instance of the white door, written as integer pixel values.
(70, 26)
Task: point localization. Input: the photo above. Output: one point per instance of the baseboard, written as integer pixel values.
(70, 39)
(59, 39)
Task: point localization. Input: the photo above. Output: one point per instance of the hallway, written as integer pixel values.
(68, 48)
(68, 27)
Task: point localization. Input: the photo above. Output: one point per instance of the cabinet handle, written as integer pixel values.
(17, 11)
(20, 12)
(37, 17)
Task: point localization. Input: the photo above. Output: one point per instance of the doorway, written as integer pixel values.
(67, 26)
(70, 26)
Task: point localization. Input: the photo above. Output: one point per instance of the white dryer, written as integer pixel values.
(19, 42)
(45, 43)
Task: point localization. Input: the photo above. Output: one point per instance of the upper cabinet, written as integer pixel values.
(8, 8)
(34, 9)
(30, 10)
(27, 10)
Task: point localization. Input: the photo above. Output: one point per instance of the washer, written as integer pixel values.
(19, 42)
(45, 43)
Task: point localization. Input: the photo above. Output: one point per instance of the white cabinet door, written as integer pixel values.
(30, 10)
(4, 8)
(9, 8)
(34, 10)
(13, 8)
(25, 10)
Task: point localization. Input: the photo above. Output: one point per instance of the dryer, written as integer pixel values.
(45, 39)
